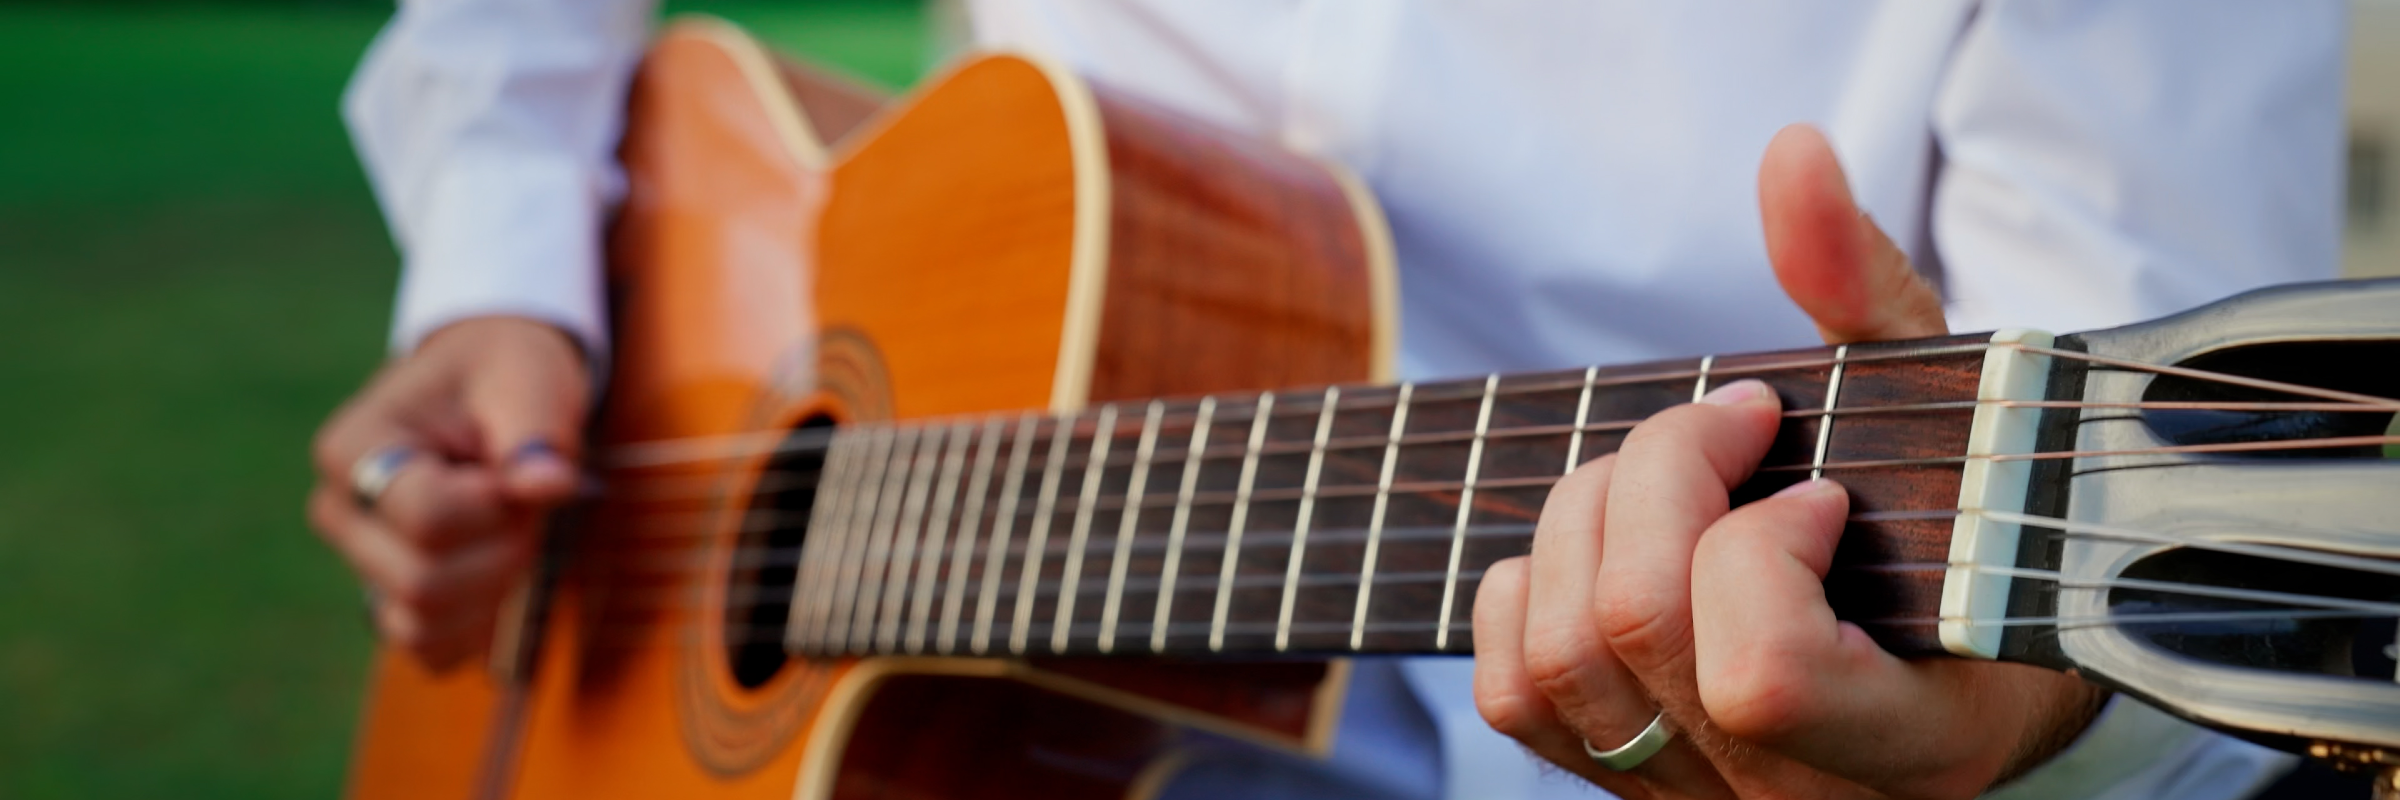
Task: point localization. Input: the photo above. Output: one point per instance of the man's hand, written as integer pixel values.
(491, 410)
(1646, 593)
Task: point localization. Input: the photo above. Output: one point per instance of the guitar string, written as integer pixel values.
(739, 634)
(2351, 402)
(668, 452)
(687, 487)
(768, 521)
(786, 480)
(1330, 580)
(2069, 528)
(1205, 543)
(755, 557)
(1419, 487)
(664, 452)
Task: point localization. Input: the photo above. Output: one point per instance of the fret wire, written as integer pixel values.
(1335, 627)
(773, 555)
(2083, 530)
(996, 562)
(1241, 514)
(1583, 416)
(1103, 432)
(691, 636)
(1462, 390)
(1700, 386)
(938, 532)
(1542, 481)
(1442, 532)
(1182, 519)
(759, 521)
(1568, 429)
(1134, 486)
(854, 541)
(1214, 498)
(1050, 589)
(832, 502)
(1833, 394)
(1308, 502)
(1527, 530)
(637, 455)
(662, 489)
(812, 548)
(969, 518)
(828, 570)
(1045, 506)
(849, 543)
(1383, 497)
(1514, 530)
(879, 543)
(1466, 507)
(904, 549)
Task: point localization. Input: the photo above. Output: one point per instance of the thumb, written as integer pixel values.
(529, 399)
(1830, 257)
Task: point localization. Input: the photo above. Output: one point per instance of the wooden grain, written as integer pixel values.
(943, 253)
(1233, 264)
(936, 738)
(934, 272)
(1273, 555)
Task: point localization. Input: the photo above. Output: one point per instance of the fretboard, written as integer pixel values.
(1348, 519)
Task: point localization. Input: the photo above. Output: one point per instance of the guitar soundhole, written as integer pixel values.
(2258, 633)
(2360, 367)
(766, 560)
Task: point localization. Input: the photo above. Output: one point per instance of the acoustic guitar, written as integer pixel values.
(982, 443)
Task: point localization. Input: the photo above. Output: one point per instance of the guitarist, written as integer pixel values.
(1568, 183)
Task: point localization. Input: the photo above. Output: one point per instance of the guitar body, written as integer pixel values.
(1009, 238)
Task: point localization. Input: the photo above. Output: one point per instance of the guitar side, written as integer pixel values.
(1009, 238)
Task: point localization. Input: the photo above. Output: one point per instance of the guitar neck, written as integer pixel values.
(1347, 519)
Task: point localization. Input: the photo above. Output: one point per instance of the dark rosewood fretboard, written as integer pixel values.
(1329, 520)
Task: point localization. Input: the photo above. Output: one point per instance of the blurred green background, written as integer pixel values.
(192, 273)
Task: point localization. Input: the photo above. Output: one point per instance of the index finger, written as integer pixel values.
(395, 408)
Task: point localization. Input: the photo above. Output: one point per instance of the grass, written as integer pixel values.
(191, 275)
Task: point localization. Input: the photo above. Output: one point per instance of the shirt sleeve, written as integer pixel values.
(488, 129)
(2135, 752)
(2106, 162)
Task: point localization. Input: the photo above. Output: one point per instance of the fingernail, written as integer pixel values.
(1806, 487)
(533, 451)
(1736, 393)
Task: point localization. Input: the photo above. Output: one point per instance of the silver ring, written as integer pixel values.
(374, 472)
(1631, 754)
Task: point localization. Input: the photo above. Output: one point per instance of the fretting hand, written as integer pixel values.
(434, 480)
(1646, 595)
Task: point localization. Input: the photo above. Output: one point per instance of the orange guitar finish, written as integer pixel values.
(1008, 238)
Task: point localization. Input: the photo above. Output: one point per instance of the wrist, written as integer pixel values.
(472, 334)
(2054, 725)
(1999, 721)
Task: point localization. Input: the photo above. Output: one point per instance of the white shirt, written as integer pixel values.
(1568, 182)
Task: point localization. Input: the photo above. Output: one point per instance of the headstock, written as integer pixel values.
(2215, 556)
